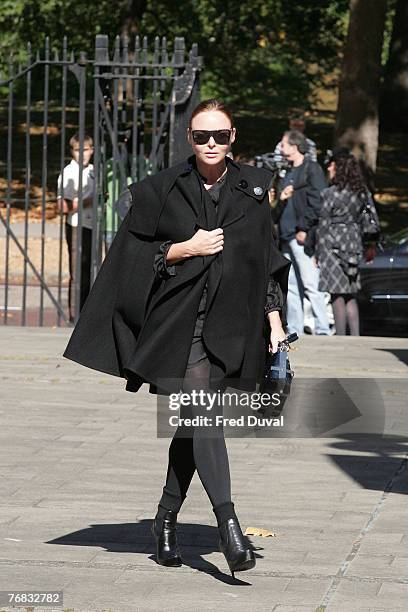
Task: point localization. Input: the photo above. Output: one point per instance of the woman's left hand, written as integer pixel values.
(277, 335)
(277, 332)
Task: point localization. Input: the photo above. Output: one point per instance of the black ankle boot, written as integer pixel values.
(167, 552)
(236, 548)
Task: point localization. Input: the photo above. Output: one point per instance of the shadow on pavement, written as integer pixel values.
(196, 542)
(376, 462)
(401, 354)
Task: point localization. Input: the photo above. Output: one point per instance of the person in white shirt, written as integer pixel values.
(68, 195)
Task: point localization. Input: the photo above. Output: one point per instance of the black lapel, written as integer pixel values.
(230, 209)
(189, 186)
(149, 196)
(192, 188)
(252, 184)
(239, 178)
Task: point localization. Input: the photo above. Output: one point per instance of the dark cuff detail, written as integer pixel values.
(274, 297)
(160, 266)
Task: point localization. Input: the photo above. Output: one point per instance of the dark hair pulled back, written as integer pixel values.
(211, 105)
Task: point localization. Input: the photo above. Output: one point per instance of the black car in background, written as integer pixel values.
(383, 298)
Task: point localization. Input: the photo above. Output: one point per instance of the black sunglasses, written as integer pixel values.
(221, 137)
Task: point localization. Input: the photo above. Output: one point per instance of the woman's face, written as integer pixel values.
(331, 169)
(211, 152)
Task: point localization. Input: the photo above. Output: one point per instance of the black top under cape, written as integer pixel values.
(274, 297)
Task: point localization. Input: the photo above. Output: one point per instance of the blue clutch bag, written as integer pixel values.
(278, 374)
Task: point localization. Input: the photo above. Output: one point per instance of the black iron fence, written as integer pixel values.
(130, 104)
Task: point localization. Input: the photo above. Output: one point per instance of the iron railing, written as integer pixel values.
(134, 101)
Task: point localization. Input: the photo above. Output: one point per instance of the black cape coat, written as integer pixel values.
(140, 327)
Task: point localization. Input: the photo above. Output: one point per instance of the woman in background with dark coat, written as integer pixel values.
(339, 246)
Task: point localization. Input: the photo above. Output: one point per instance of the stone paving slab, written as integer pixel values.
(81, 471)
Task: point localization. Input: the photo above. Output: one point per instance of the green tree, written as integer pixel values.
(260, 52)
(256, 52)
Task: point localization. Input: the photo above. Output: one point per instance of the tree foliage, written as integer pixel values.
(271, 52)
(266, 52)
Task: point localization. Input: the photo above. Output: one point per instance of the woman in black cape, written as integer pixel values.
(191, 295)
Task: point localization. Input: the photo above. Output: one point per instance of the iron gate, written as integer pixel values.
(134, 102)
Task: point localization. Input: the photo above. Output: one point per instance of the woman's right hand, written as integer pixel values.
(206, 243)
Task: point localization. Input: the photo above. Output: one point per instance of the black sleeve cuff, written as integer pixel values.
(160, 266)
(274, 297)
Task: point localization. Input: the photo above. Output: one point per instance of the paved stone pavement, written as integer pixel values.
(81, 471)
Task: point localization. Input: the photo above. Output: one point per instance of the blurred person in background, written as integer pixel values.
(298, 123)
(339, 243)
(297, 213)
(68, 197)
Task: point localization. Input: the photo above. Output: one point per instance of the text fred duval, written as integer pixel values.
(250, 420)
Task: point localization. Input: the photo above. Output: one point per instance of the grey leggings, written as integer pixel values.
(197, 448)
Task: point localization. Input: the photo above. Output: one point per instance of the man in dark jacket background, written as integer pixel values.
(298, 214)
